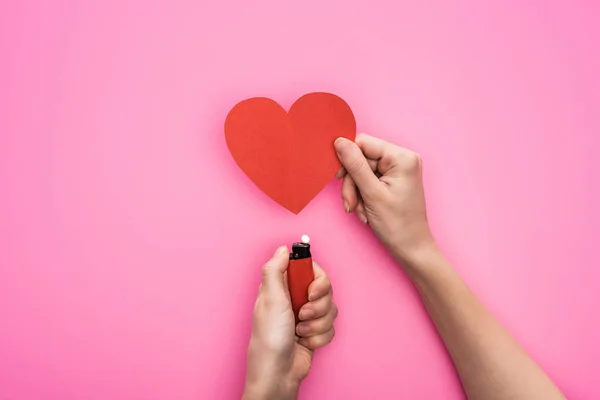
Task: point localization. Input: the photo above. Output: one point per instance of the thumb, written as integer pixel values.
(356, 165)
(273, 270)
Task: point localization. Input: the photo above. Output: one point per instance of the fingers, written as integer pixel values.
(320, 286)
(372, 147)
(387, 155)
(360, 212)
(352, 200)
(318, 326)
(317, 316)
(355, 163)
(273, 271)
(316, 309)
(342, 171)
(318, 341)
(380, 154)
(349, 194)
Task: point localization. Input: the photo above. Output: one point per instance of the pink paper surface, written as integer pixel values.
(131, 243)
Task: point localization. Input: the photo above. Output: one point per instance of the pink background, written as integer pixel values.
(132, 244)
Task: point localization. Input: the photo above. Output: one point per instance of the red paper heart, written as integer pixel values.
(289, 155)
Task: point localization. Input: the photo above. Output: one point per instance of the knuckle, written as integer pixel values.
(397, 153)
(377, 196)
(318, 324)
(327, 337)
(313, 329)
(355, 164)
(326, 283)
(374, 195)
(361, 138)
(312, 342)
(327, 305)
(317, 341)
(267, 268)
(413, 161)
(264, 302)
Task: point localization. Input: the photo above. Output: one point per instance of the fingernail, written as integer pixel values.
(339, 144)
(306, 314)
(312, 296)
(346, 207)
(281, 251)
(363, 219)
(302, 330)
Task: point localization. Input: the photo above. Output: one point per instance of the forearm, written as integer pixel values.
(264, 380)
(489, 361)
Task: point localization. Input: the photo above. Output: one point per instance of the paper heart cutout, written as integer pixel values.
(289, 155)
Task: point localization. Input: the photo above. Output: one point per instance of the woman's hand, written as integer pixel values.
(280, 353)
(383, 186)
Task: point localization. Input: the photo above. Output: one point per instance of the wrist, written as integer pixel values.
(268, 376)
(418, 256)
(270, 388)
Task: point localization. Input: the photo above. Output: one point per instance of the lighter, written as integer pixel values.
(300, 274)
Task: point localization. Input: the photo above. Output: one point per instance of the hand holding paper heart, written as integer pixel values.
(289, 155)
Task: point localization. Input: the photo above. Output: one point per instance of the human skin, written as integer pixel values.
(382, 185)
(280, 352)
